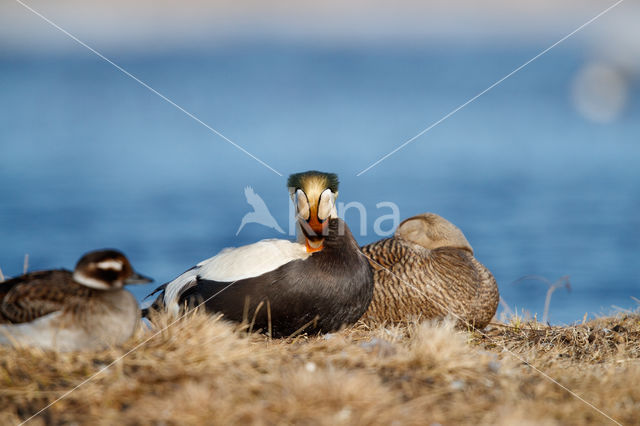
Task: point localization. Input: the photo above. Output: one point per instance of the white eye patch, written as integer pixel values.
(302, 204)
(326, 204)
(112, 264)
(90, 282)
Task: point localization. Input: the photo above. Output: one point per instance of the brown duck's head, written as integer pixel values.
(314, 196)
(432, 231)
(106, 270)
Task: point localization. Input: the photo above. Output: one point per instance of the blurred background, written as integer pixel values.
(541, 173)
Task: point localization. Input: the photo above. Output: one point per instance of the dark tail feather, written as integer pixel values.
(158, 304)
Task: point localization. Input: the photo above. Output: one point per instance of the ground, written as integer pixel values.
(201, 370)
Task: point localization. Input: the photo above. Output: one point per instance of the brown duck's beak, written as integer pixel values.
(137, 279)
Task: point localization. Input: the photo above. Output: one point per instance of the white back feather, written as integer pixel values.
(235, 264)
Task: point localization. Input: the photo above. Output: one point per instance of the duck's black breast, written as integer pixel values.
(329, 289)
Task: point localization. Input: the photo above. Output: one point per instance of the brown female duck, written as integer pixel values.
(427, 270)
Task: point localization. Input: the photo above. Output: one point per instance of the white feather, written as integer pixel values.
(110, 264)
(43, 333)
(175, 288)
(326, 204)
(90, 282)
(234, 264)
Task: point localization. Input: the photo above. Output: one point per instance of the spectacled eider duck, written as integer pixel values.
(433, 273)
(67, 311)
(317, 284)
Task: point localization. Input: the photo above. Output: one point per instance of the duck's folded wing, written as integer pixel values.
(37, 294)
(233, 265)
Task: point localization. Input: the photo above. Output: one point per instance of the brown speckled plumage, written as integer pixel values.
(81, 310)
(432, 273)
(34, 295)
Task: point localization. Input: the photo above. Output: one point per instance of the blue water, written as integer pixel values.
(90, 159)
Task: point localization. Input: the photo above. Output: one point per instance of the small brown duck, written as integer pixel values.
(433, 273)
(67, 311)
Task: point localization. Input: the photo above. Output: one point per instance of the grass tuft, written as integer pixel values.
(202, 370)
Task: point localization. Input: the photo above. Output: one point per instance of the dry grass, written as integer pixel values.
(202, 370)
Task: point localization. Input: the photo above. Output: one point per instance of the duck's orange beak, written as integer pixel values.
(311, 248)
(314, 239)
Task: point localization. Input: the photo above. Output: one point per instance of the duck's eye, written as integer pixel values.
(325, 204)
(302, 204)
